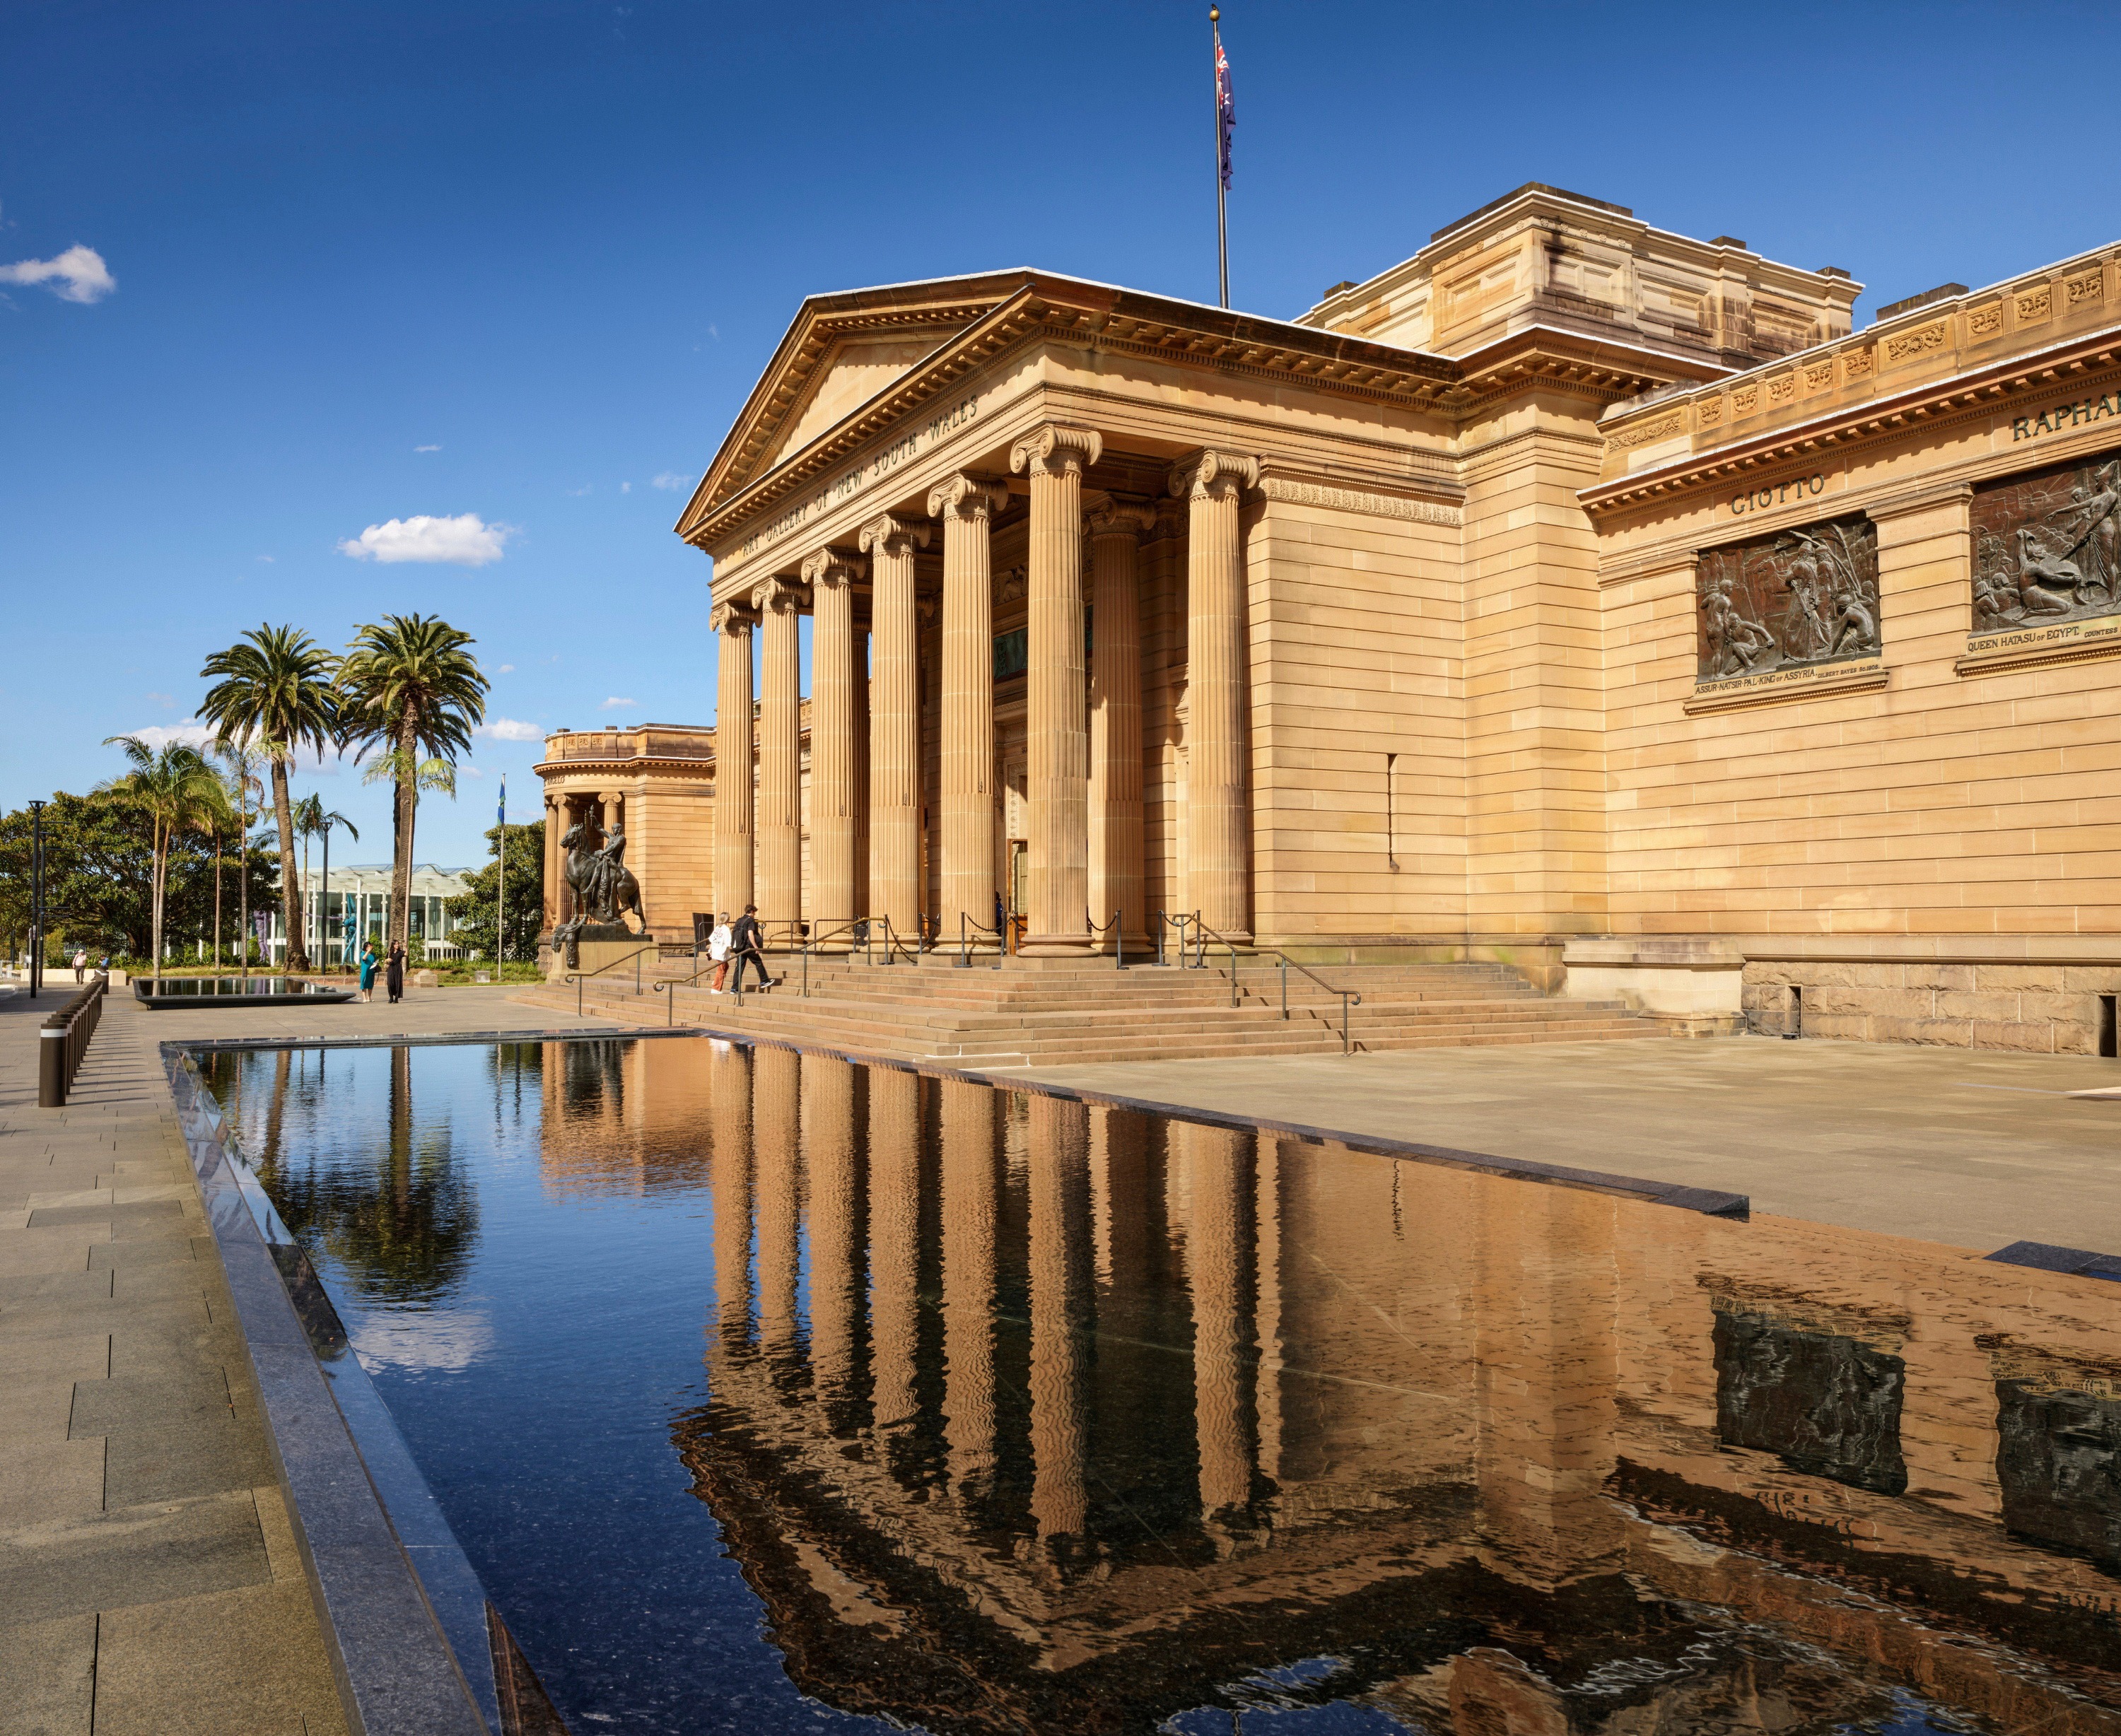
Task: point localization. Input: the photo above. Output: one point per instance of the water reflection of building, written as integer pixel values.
(1083, 1419)
(623, 1116)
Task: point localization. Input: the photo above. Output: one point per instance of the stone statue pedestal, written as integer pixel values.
(598, 945)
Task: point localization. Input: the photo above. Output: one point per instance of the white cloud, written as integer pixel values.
(471, 771)
(466, 540)
(626, 488)
(167, 701)
(671, 480)
(427, 448)
(446, 1340)
(78, 274)
(190, 731)
(509, 729)
(505, 669)
(266, 559)
(577, 493)
(615, 703)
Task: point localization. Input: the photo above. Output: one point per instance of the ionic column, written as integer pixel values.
(732, 625)
(1218, 1244)
(833, 696)
(1115, 827)
(966, 508)
(894, 767)
(776, 1121)
(894, 1251)
(838, 1293)
(1217, 823)
(780, 604)
(555, 822)
(858, 659)
(728, 1078)
(1057, 747)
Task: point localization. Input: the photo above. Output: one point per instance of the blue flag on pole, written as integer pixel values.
(501, 814)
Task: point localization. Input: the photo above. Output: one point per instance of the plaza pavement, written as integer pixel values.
(150, 1584)
(1973, 1147)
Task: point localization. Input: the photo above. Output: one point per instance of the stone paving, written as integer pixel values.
(149, 1580)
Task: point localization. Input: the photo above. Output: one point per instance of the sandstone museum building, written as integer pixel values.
(1574, 595)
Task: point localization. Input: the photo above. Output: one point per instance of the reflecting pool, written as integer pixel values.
(272, 991)
(769, 1392)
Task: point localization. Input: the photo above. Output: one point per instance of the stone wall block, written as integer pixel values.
(1838, 1000)
(1770, 971)
(1937, 1033)
(2018, 976)
(1849, 1027)
(2072, 1039)
(2012, 1034)
(1939, 976)
(2069, 1009)
(1978, 1006)
(1885, 1004)
(2093, 979)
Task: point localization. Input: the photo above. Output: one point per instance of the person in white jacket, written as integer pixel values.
(718, 950)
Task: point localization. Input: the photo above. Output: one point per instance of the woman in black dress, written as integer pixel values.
(395, 977)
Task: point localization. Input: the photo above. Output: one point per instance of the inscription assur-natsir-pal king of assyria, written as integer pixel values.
(1801, 597)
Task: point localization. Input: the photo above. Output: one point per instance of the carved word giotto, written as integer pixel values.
(1773, 494)
(1804, 596)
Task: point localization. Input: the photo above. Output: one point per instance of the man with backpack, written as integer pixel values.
(749, 943)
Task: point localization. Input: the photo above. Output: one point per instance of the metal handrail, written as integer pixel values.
(1346, 995)
(579, 977)
(1119, 940)
(966, 943)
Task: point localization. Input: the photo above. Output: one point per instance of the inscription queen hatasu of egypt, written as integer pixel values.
(2047, 547)
(1803, 595)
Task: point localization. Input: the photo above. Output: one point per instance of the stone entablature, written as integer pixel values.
(2015, 340)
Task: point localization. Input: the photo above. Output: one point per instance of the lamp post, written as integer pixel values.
(36, 898)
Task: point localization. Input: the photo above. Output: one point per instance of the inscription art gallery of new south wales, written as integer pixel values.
(1574, 596)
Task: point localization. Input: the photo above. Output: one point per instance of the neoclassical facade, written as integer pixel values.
(1574, 593)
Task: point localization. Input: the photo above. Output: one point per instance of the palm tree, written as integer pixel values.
(239, 785)
(276, 690)
(408, 684)
(177, 790)
(312, 821)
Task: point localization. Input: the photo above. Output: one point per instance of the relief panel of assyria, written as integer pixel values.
(1804, 596)
(2046, 547)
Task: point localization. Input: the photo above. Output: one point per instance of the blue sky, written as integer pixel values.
(519, 263)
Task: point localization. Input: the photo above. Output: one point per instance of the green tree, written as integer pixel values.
(312, 821)
(276, 693)
(526, 894)
(408, 684)
(176, 792)
(242, 791)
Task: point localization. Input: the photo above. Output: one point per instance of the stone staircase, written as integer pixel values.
(1049, 1015)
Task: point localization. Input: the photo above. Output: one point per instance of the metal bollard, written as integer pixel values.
(51, 1067)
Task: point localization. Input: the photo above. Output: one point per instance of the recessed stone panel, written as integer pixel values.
(2047, 546)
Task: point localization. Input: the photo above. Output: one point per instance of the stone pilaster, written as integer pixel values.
(834, 694)
(894, 806)
(967, 507)
(555, 821)
(1056, 720)
(1115, 530)
(1218, 817)
(780, 603)
(732, 625)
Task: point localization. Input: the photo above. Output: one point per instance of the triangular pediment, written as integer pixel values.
(841, 351)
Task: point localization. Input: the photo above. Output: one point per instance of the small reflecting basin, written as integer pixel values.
(252, 991)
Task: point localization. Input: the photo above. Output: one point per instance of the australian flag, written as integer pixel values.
(1226, 107)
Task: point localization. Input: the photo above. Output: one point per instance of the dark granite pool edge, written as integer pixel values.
(1713, 1202)
(397, 1673)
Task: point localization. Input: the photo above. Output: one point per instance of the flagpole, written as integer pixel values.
(1222, 222)
(500, 885)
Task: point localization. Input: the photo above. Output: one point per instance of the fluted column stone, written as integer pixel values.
(966, 508)
(1217, 818)
(830, 576)
(780, 603)
(732, 623)
(1116, 859)
(971, 1206)
(776, 1122)
(894, 818)
(1060, 1313)
(1056, 729)
(554, 881)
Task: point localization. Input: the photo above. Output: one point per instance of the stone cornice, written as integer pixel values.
(1294, 491)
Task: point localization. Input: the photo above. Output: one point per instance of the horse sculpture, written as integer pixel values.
(602, 888)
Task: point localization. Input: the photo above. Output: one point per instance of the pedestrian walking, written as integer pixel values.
(718, 949)
(367, 969)
(394, 978)
(748, 941)
(80, 964)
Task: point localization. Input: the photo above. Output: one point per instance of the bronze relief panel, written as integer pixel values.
(1804, 596)
(2047, 546)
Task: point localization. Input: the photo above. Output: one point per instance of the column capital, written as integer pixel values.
(832, 568)
(1110, 517)
(1208, 474)
(732, 617)
(966, 498)
(780, 595)
(887, 535)
(1056, 449)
